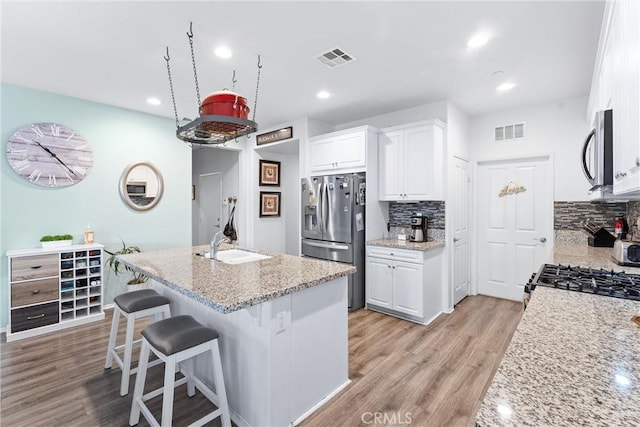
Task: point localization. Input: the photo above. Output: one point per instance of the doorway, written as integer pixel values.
(515, 223)
(461, 253)
(209, 206)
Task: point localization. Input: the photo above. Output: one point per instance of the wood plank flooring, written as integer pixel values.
(402, 373)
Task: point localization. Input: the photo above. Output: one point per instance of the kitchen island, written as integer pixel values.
(282, 323)
(574, 358)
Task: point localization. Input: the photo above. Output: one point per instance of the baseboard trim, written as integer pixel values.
(319, 404)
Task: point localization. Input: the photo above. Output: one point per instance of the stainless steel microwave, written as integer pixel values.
(597, 152)
(137, 189)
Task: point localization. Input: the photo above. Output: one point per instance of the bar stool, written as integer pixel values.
(173, 341)
(132, 305)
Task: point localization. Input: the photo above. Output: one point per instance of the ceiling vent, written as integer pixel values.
(335, 58)
(509, 132)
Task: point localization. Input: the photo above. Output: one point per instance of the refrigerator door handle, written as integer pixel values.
(327, 245)
(324, 202)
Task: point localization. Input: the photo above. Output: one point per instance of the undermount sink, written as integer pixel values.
(237, 256)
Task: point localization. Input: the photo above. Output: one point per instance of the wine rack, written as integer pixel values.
(54, 288)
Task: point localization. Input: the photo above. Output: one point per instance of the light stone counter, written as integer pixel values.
(227, 287)
(406, 244)
(574, 359)
(583, 255)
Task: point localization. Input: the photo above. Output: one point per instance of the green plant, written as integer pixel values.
(49, 238)
(114, 263)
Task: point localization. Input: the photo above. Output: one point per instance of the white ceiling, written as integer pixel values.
(408, 54)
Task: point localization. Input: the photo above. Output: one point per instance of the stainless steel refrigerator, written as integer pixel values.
(333, 218)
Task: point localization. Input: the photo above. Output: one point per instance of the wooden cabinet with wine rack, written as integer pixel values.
(54, 288)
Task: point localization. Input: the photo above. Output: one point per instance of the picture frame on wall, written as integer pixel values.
(269, 173)
(270, 204)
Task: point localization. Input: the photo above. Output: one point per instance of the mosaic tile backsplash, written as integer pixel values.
(400, 213)
(633, 215)
(569, 215)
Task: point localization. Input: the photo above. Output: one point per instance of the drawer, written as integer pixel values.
(395, 254)
(34, 317)
(33, 292)
(34, 267)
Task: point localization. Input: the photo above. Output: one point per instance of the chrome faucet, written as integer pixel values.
(215, 243)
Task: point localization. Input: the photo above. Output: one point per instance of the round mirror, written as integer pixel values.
(141, 186)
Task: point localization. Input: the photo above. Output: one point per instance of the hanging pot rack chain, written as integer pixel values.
(193, 60)
(255, 101)
(173, 95)
(233, 81)
(211, 129)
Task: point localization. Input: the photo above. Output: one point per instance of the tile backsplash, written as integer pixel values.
(569, 215)
(400, 214)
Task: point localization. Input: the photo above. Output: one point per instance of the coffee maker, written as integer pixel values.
(418, 228)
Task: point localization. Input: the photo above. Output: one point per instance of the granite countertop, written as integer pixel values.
(231, 287)
(586, 256)
(574, 359)
(406, 244)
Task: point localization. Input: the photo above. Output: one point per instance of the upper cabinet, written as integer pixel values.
(340, 152)
(616, 85)
(411, 162)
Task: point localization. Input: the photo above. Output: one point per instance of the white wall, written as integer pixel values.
(557, 127)
(434, 110)
(211, 160)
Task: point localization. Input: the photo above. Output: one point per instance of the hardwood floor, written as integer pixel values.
(401, 372)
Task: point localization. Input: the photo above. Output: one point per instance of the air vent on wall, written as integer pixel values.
(335, 58)
(509, 132)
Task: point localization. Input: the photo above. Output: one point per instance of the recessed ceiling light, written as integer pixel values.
(223, 52)
(323, 94)
(478, 40)
(153, 101)
(505, 86)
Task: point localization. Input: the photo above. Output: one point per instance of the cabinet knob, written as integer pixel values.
(35, 291)
(388, 266)
(391, 253)
(393, 267)
(637, 161)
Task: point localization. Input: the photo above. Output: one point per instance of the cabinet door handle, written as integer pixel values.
(39, 316)
(35, 291)
(388, 266)
(393, 267)
(620, 175)
(35, 267)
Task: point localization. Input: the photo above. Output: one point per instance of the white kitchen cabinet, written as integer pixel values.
(404, 283)
(411, 162)
(340, 152)
(616, 85)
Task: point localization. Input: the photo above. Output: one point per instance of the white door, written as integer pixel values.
(460, 208)
(408, 288)
(379, 282)
(515, 230)
(210, 206)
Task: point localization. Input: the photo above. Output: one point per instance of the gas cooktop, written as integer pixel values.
(589, 280)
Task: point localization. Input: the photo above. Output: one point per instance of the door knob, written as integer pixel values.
(541, 239)
(456, 239)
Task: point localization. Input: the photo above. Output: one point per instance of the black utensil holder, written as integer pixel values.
(601, 239)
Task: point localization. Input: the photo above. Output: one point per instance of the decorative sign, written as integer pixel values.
(269, 173)
(269, 204)
(274, 136)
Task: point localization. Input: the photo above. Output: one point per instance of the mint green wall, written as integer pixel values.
(118, 137)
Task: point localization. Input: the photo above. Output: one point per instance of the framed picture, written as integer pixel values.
(269, 204)
(269, 173)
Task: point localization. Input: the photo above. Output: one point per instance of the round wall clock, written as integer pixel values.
(49, 154)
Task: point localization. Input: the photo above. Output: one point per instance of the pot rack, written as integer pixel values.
(208, 129)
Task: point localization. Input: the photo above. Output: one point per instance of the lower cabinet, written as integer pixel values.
(54, 288)
(404, 283)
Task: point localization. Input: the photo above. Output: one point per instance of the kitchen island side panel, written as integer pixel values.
(280, 358)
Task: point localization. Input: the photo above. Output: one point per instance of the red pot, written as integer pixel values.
(225, 103)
